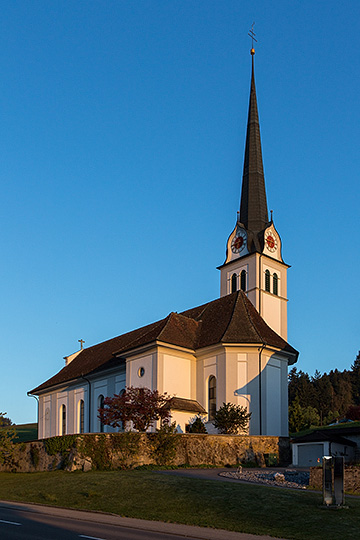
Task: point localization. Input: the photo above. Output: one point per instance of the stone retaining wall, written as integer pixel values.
(134, 449)
(351, 480)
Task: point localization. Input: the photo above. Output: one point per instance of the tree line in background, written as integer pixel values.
(323, 399)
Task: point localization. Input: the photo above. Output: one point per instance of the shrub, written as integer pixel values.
(163, 444)
(34, 455)
(7, 435)
(197, 426)
(230, 419)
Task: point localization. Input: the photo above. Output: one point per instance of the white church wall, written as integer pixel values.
(80, 394)
(241, 394)
(274, 394)
(120, 383)
(61, 399)
(44, 423)
(284, 399)
(272, 401)
(273, 307)
(177, 376)
(100, 388)
(206, 367)
(140, 372)
(271, 311)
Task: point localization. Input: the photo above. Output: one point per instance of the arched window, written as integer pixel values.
(81, 415)
(275, 284)
(212, 397)
(63, 420)
(267, 280)
(243, 280)
(233, 283)
(100, 406)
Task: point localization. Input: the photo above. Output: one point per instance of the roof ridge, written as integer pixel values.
(147, 331)
(249, 314)
(189, 320)
(170, 316)
(231, 317)
(203, 309)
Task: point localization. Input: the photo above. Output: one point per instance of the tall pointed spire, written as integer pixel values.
(253, 206)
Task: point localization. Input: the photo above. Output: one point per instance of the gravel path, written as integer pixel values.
(290, 478)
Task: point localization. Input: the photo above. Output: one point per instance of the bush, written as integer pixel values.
(163, 444)
(230, 419)
(197, 426)
(7, 435)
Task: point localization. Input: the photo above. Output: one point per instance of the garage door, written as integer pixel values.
(308, 454)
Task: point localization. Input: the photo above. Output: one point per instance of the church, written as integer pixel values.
(232, 349)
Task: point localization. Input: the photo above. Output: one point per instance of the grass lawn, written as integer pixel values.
(207, 503)
(26, 432)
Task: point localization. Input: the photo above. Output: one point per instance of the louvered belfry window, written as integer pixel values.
(243, 280)
(275, 284)
(233, 283)
(267, 280)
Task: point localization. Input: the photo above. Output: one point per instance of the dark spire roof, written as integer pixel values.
(253, 206)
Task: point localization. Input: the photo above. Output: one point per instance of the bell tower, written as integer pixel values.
(253, 260)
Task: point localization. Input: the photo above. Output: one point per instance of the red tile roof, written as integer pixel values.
(230, 319)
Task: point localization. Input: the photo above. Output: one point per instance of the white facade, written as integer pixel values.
(245, 375)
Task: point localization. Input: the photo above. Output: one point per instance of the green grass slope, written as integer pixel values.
(150, 495)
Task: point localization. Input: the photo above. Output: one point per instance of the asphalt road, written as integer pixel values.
(20, 521)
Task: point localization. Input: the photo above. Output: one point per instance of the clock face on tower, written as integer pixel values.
(270, 242)
(238, 242)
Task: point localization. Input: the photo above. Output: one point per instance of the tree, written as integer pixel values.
(355, 379)
(296, 416)
(311, 417)
(141, 406)
(197, 426)
(353, 413)
(231, 419)
(7, 435)
(302, 417)
(4, 421)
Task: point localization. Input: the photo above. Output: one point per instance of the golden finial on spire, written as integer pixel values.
(252, 34)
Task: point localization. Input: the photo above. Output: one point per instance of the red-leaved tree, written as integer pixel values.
(141, 406)
(353, 412)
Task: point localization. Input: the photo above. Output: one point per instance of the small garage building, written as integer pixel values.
(308, 450)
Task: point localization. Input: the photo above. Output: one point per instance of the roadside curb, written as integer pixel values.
(177, 529)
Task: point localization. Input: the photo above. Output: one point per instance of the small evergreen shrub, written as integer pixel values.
(164, 444)
(197, 426)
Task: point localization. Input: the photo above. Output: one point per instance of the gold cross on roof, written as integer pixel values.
(252, 34)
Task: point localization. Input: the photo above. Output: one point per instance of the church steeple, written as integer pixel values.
(253, 206)
(253, 260)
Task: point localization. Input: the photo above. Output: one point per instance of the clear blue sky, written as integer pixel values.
(122, 138)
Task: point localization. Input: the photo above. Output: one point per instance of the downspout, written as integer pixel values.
(89, 383)
(260, 276)
(260, 397)
(38, 408)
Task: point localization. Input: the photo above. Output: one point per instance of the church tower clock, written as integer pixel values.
(253, 253)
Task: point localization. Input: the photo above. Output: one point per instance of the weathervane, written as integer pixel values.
(252, 34)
